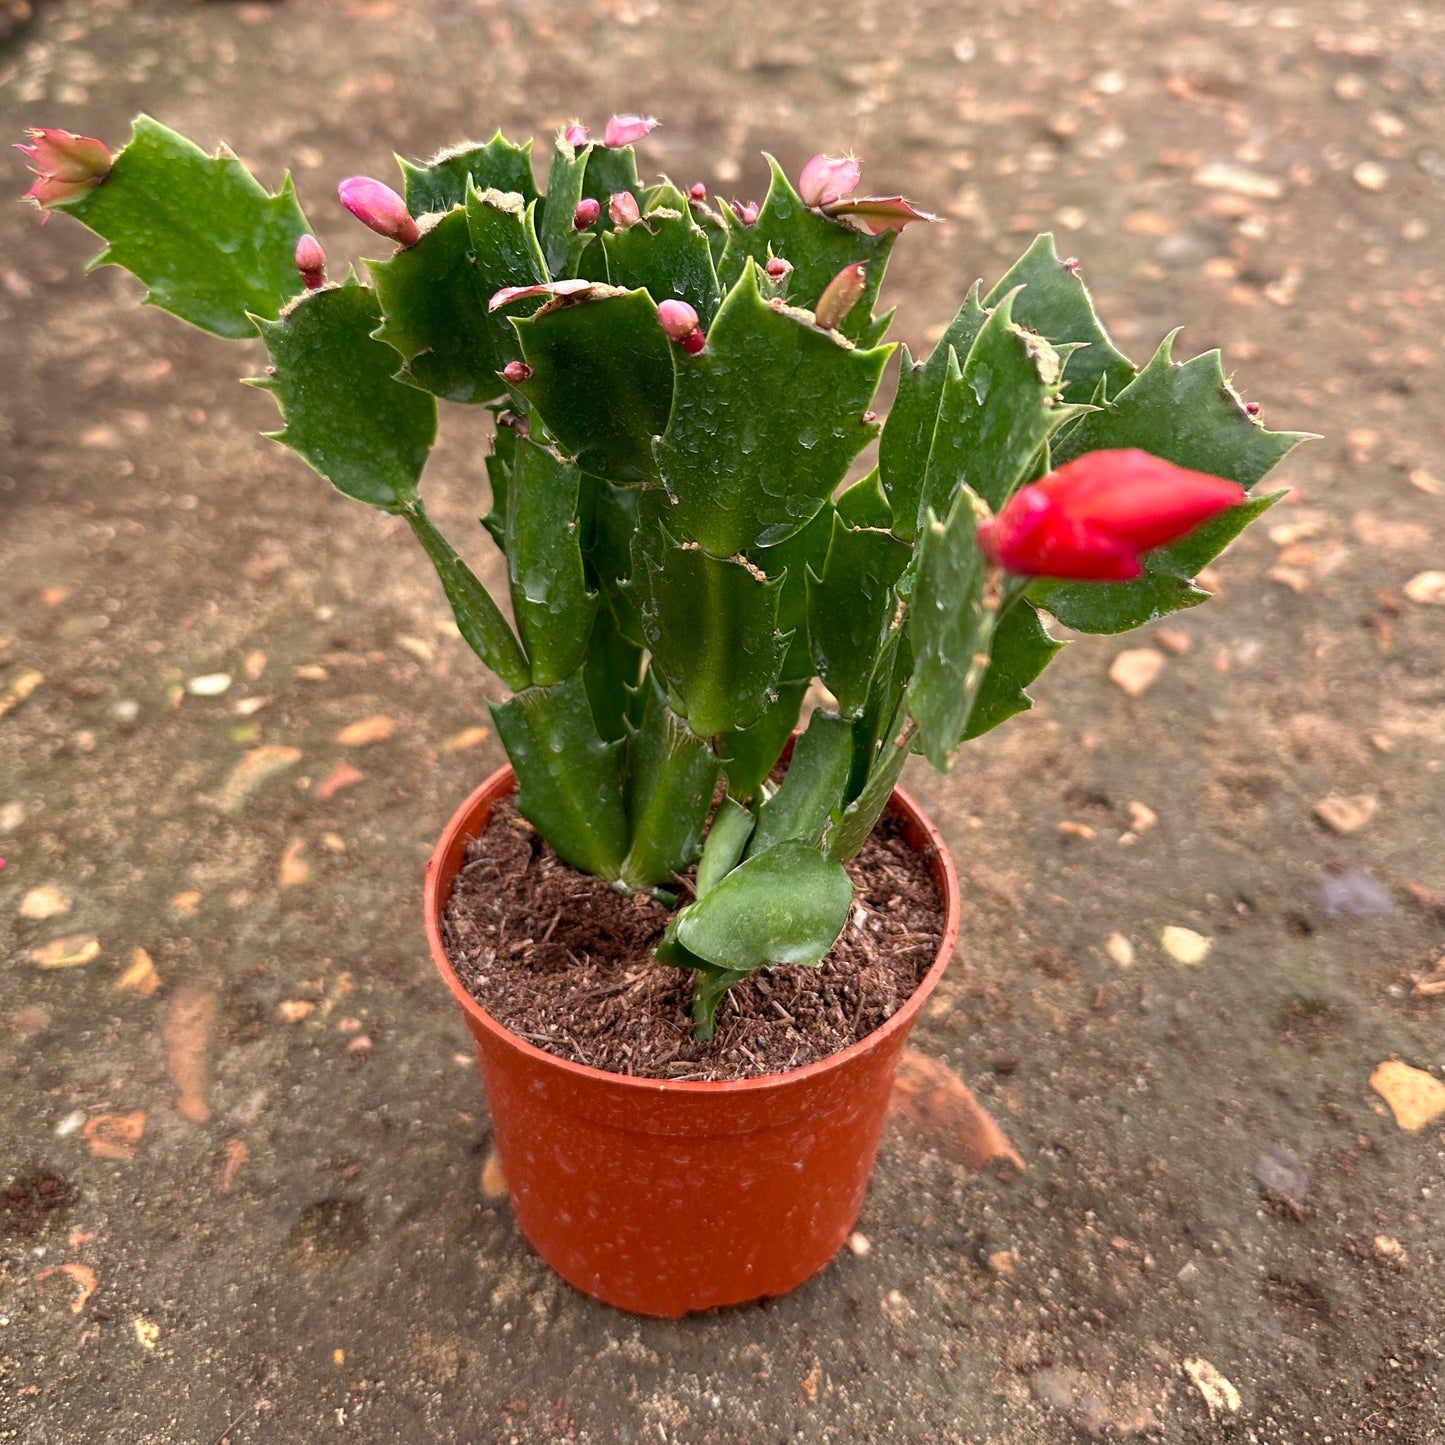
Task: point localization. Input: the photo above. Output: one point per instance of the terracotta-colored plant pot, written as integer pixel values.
(662, 1198)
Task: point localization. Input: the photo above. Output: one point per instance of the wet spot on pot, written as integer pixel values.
(32, 1203)
(329, 1231)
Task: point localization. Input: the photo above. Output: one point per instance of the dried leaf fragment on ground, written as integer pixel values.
(140, 975)
(254, 769)
(1346, 815)
(114, 1136)
(1414, 1097)
(369, 730)
(46, 901)
(80, 1275)
(186, 1033)
(1136, 669)
(1184, 945)
(70, 951)
(931, 1097)
(1219, 1394)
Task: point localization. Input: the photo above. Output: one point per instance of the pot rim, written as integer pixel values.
(502, 783)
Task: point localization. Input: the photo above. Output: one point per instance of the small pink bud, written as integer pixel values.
(517, 371)
(840, 295)
(680, 324)
(778, 269)
(65, 165)
(826, 179)
(576, 135)
(622, 209)
(697, 192)
(311, 262)
(879, 213)
(622, 130)
(746, 212)
(378, 206)
(586, 214)
(1252, 407)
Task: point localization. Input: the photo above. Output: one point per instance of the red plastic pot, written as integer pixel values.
(663, 1198)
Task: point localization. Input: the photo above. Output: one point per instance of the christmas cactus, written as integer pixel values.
(680, 390)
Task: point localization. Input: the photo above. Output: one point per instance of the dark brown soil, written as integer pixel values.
(31, 1202)
(564, 961)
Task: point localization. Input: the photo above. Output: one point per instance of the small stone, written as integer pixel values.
(1391, 1251)
(1239, 181)
(1353, 892)
(1427, 588)
(1142, 817)
(12, 815)
(1370, 176)
(1172, 640)
(1119, 949)
(1136, 669)
(1003, 1261)
(494, 1182)
(46, 901)
(1414, 1097)
(293, 1010)
(68, 952)
(1346, 815)
(1184, 945)
(140, 975)
(1071, 829)
(1281, 1176)
(859, 1244)
(1219, 1394)
(212, 684)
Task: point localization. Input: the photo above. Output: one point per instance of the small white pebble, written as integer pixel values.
(211, 684)
(860, 1244)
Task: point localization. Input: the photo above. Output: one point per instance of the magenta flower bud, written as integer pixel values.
(622, 130)
(576, 135)
(826, 179)
(622, 209)
(778, 268)
(697, 192)
(880, 213)
(378, 206)
(680, 324)
(517, 371)
(65, 165)
(840, 295)
(1093, 518)
(586, 214)
(746, 211)
(311, 262)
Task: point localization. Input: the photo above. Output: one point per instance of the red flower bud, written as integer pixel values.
(746, 211)
(698, 192)
(378, 206)
(841, 295)
(517, 371)
(622, 209)
(311, 262)
(778, 268)
(680, 324)
(586, 214)
(1090, 520)
(622, 130)
(65, 165)
(828, 178)
(576, 135)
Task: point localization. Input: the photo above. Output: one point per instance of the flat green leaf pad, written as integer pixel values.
(442, 182)
(787, 904)
(668, 256)
(213, 246)
(345, 412)
(783, 402)
(1021, 651)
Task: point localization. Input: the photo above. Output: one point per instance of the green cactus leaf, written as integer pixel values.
(346, 414)
(668, 257)
(710, 987)
(784, 402)
(907, 437)
(550, 599)
(712, 628)
(213, 246)
(564, 190)
(434, 300)
(851, 604)
(1021, 651)
(671, 774)
(865, 504)
(787, 904)
(886, 688)
(611, 675)
(727, 838)
(817, 248)
(569, 782)
(500, 458)
(609, 523)
(994, 415)
(479, 619)
(1056, 303)
(1166, 586)
(607, 172)
(951, 623)
(443, 181)
(811, 788)
(602, 379)
(853, 825)
(749, 754)
(790, 560)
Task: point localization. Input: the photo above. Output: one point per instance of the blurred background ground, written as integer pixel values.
(246, 1204)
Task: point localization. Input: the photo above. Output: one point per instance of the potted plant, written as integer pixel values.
(680, 390)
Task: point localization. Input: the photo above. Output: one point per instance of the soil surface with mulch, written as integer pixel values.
(564, 961)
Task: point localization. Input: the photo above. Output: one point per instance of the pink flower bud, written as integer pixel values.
(746, 212)
(680, 324)
(311, 262)
(1092, 519)
(65, 165)
(586, 214)
(622, 130)
(622, 209)
(697, 192)
(574, 286)
(879, 213)
(826, 179)
(517, 371)
(778, 268)
(840, 295)
(379, 207)
(576, 135)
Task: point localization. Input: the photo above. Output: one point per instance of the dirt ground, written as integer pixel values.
(247, 1205)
